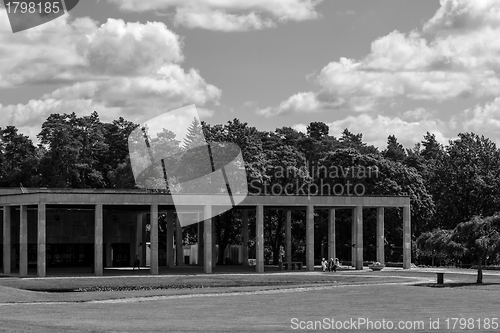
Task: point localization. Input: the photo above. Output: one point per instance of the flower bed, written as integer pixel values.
(376, 266)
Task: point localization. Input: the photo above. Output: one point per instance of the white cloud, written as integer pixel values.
(300, 128)
(135, 98)
(375, 130)
(205, 113)
(306, 102)
(119, 48)
(227, 15)
(483, 119)
(117, 68)
(221, 21)
(460, 14)
(170, 87)
(419, 113)
(83, 50)
(455, 55)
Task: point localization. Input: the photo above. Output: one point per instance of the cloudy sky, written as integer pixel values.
(377, 67)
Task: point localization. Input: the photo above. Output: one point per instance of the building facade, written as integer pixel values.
(105, 228)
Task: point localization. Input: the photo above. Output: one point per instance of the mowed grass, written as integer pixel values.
(271, 312)
(95, 288)
(263, 307)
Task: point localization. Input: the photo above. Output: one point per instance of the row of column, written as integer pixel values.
(23, 240)
(206, 242)
(357, 237)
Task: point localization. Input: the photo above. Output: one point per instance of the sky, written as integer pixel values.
(378, 67)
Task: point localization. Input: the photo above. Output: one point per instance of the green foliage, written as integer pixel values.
(317, 130)
(194, 136)
(465, 180)
(478, 238)
(395, 150)
(18, 159)
(446, 184)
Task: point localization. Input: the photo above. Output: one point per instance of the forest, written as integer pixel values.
(449, 185)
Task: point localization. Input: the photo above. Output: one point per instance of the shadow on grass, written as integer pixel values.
(457, 284)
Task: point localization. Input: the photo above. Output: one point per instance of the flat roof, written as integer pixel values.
(32, 196)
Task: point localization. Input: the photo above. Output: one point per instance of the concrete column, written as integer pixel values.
(179, 252)
(42, 238)
(170, 238)
(353, 238)
(200, 243)
(153, 268)
(207, 239)
(138, 239)
(214, 243)
(288, 235)
(6, 239)
(332, 253)
(406, 237)
(380, 235)
(358, 215)
(259, 235)
(23, 241)
(244, 237)
(144, 241)
(98, 233)
(132, 243)
(107, 239)
(310, 238)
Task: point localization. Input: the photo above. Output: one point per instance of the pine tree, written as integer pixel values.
(432, 148)
(194, 136)
(395, 150)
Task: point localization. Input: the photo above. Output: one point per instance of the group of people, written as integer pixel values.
(330, 265)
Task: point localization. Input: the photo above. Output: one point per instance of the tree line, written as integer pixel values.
(448, 184)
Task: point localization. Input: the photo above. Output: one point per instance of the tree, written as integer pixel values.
(466, 180)
(317, 144)
(248, 139)
(58, 138)
(288, 135)
(478, 239)
(19, 159)
(432, 148)
(317, 130)
(433, 243)
(355, 141)
(89, 131)
(194, 136)
(76, 151)
(395, 150)
(117, 167)
(161, 160)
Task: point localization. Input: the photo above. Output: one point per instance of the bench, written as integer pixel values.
(290, 265)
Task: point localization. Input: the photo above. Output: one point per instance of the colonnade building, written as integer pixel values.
(41, 227)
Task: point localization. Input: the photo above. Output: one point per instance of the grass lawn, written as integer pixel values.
(252, 303)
